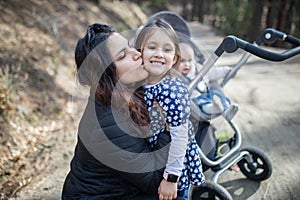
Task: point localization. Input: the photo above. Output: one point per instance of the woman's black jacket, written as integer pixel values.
(109, 162)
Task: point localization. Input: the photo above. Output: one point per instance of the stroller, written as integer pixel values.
(218, 150)
(221, 152)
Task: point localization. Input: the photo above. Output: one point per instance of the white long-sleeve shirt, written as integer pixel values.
(169, 105)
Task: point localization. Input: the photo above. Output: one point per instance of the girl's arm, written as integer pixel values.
(176, 103)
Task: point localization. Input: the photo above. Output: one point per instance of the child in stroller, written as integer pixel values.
(208, 94)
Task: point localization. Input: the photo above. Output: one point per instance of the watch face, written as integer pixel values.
(172, 178)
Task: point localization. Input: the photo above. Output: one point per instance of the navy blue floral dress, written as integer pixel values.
(166, 113)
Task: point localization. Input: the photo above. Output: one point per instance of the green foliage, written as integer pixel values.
(233, 17)
(121, 27)
(157, 3)
(151, 6)
(296, 25)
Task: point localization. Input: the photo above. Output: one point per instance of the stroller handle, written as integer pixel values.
(270, 35)
(232, 43)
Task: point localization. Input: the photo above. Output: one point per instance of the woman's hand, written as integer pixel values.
(167, 190)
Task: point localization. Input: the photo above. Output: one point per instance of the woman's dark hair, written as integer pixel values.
(96, 68)
(95, 35)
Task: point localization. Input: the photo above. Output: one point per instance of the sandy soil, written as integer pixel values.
(269, 118)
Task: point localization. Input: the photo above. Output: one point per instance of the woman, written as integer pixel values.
(112, 159)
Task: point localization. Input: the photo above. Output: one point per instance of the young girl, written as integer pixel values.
(168, 102)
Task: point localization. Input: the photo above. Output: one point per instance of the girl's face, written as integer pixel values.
(158, 55)
(187, 58)
(128, 60)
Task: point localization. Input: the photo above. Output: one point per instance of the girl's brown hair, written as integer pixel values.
(147, 30)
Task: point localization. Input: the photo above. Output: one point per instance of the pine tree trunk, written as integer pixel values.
(270, 14)
(289, 17)
(201, 8)
(281, 21)
(255, 22)
(184, 9)
(281, 15)
(194, 9)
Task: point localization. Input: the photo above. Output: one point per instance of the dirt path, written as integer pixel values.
(269, 118)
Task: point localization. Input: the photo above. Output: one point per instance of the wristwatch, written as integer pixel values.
(171, 177)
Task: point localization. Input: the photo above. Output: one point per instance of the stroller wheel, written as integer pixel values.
(260, 166)
(210, 190)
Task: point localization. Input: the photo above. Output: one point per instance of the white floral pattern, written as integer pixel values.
(173, 109)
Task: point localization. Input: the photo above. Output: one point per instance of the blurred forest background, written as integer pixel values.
(243, 18)
(38, 38)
